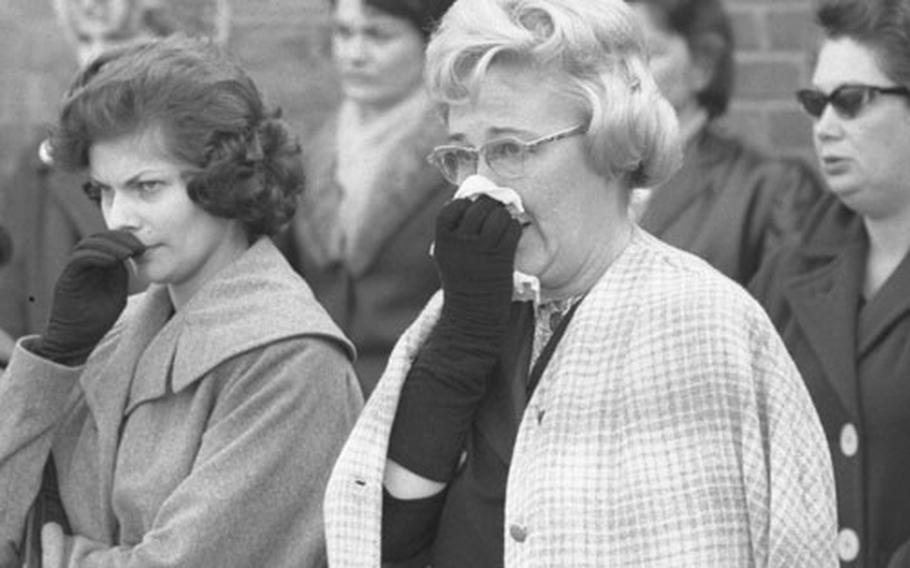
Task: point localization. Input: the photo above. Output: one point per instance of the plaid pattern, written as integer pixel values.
(671, 428)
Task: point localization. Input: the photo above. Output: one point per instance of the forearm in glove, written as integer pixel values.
(88, 297)
(475, 251)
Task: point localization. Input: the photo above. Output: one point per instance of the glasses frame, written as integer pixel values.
(808, 97)
(527, 148)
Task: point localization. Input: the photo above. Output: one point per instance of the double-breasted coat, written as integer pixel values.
(731, 204)
(854, 356)
(201, 437)
(670, 428)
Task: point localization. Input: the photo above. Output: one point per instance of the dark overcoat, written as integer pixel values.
(854, 356)
(731, 204)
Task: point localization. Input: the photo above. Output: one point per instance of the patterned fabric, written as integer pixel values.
(546, 319)
(669, 429)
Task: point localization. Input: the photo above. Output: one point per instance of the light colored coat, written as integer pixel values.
(202, 438)
(669, 429)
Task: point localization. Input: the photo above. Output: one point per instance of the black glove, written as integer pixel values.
(88, 297)
(475, 255)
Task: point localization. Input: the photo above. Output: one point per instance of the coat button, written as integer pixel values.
(847, 545)
(518, 533)
(849, 440)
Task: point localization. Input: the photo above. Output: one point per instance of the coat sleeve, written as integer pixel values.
(254, 494)
(791, 499)
(34, 397)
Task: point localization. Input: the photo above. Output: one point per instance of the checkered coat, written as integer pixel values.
(670, 429)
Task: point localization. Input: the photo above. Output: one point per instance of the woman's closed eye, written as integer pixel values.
(505, 149)
(147, 187)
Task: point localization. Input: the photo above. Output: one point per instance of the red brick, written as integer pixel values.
(747, 29)
(767, 79)
(791, 29)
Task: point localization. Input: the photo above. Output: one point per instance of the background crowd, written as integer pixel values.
(814, 228)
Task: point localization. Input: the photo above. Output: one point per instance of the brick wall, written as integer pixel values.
(283, 44)
(774, 42)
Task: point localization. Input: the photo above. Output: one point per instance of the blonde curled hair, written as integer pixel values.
(593, 50)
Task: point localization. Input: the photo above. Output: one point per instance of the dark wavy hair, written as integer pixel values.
(706, 28)
(242, 161)
(881, 25)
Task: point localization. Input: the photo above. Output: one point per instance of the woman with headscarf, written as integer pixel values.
(363, 229)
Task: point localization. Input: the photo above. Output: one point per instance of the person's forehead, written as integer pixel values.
(99, 18)
(844, 60)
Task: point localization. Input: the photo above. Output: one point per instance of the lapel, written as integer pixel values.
(507, 394)
(106, 382)
(682, 190)
(824, 302)
(406, 183)
(247, 303)
(889, 305)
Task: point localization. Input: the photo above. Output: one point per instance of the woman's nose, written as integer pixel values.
(829, 125)
(120, 212)
(353, 49)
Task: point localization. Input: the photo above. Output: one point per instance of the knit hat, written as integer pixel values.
(424, 14)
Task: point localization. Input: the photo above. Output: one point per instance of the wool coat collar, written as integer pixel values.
(256, 300)
(407, 184)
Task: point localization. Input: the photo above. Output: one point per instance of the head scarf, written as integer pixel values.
(424, 14)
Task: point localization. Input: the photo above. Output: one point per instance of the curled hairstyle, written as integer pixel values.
(706, 28)
(241, 161)
(881, 25)
(593, 50)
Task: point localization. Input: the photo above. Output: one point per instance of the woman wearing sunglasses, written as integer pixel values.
(840, 296)
(642, 411)
(729, 203)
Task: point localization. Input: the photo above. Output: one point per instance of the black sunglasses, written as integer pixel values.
(847, 100)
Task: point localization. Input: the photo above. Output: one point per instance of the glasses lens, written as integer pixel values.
(812, 101)
(849, 100)
(506, 157)
(455, 163)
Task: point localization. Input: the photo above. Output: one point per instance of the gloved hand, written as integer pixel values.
(88, 297)
(475, 255)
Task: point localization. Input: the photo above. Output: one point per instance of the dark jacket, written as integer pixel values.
(855, 359)
(376, 292)
(46, 213)
(731, 204)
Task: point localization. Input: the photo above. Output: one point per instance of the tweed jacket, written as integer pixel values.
(202, 437)
(376, 291)
(731, 204)
(669, 429)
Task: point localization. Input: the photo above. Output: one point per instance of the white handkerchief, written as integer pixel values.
(475, 185)
(527, 287)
